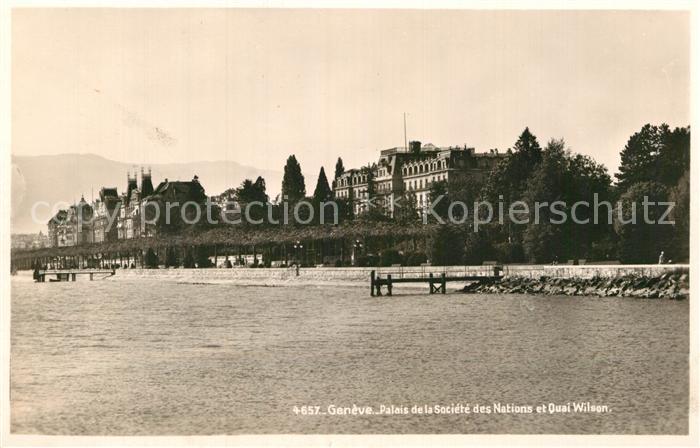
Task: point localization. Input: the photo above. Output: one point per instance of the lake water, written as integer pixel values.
(147, 357)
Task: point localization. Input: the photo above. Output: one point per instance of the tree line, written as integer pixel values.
(655, 163)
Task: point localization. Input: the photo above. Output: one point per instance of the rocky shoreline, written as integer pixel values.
(671, 285)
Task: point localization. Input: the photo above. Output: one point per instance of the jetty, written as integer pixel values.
(437, 282)
(66, 275)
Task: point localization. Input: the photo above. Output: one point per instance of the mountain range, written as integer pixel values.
(67, 177)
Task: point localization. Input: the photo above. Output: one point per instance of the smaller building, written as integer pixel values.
(29, 240)
(175, 200)
(106, 215)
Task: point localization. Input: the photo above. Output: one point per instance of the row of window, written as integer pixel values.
(358, 179)
(410, 170)
(362, 193)
(418, 184)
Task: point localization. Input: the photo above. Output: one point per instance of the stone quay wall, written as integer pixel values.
(361, 276)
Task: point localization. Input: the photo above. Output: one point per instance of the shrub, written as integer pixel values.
(171, 258)
(188, 261)
(415, 258)
(390, 256)
(202, 257)
(151, 259)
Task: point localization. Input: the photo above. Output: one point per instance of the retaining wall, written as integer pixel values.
(271, 276)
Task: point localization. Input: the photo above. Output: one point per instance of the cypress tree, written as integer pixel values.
(293, 181)
(323, 190)
(339, 168)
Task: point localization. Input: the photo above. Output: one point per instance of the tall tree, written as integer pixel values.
(250, 192)
(509, 178)
(293, 186)
(322, 192)
(674, 155)
(642, 238)
(406, 209)
(438, 196)
(339, 168)
(569, 178)
(639, 157)
(680, 196)
(507, 183)
(654, 154)
(542, 240)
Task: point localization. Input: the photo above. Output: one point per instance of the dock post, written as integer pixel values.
(371, 282)
(91, 276)
(443, 283)
(388, 284)
(430, 282)
(73, 276)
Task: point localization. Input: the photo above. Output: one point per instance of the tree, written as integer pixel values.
(642, 238)
(201, 257)
(438, 196)
(674, 155)
(570, 179)
(654, 154)
(322, 192)
(293, 186)
(188, 261)
(369, 171)
(542, 240)
(446, 245)
(680, 197)
(406, 209)
(509, 178)
(339, 168)
(389, 257)
(171, 258)
(250, 192)
(507, 183)
(150, 259)
(638, 158)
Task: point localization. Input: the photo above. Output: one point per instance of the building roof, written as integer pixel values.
(108, 192)
(182, 190)
(59, 217)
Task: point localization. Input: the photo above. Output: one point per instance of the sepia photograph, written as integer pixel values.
(291, 221)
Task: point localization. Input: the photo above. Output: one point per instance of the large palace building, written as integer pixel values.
(401, 172)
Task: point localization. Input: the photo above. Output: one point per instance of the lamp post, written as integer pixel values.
(297, 247)
(356, 248)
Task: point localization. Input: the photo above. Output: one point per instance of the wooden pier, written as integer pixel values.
(437, 283)
(67, 275)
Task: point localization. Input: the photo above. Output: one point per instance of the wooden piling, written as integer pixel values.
(372, 279)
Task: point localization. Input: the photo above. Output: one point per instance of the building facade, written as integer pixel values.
(402, 172)
(106, 214)
(114, 217)
(29, 240)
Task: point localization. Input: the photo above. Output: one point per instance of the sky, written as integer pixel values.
(254, 86)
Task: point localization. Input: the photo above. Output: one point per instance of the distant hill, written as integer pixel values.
(66, 177)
